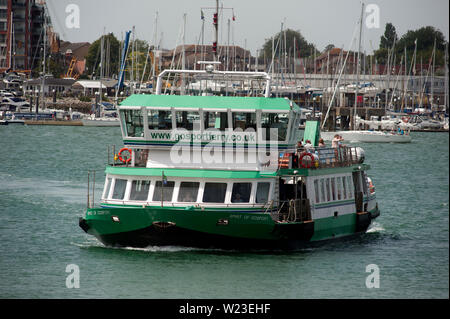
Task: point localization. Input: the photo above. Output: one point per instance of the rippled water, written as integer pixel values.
(43, 186)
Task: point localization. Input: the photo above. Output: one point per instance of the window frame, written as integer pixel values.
(124, 192)
(148, 191)
(178, 189)
(227, 196)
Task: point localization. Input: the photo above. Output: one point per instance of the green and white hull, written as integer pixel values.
(142, 227)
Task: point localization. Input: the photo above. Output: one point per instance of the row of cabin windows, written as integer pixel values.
(188, 192)
(332, 189)
(191, 120)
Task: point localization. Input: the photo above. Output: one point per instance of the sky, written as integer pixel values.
(321, 22)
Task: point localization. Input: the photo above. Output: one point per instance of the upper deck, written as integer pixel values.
(162, 121)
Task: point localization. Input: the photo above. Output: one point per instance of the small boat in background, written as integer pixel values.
(9, 122)
(369, 136)
(9, 119)
(100, 121)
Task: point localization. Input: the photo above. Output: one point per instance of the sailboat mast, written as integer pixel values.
(358, 68)
(216, 31)
(432, 75)
(43, 66)
(102, 58)
(446, 78)
(11, 32)
(183, 56)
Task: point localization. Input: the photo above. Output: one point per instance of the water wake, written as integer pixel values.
(375, 228)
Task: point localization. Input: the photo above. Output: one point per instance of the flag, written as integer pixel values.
(202, 15)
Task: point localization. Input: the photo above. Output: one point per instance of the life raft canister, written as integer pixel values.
(309, 164)
(284, 161)
(126, 160)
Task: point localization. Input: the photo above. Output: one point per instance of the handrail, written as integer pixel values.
(90, 191)
(262, 75)
(289, 211)
(324, 157)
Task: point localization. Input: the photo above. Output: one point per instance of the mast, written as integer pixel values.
(358, 68)
(155, 39)
(432, 74)
(228, 46)
(102, 58)
(132, 61)
(183, 56)
(446, 78)
(391, 61)
(11, 40)
(404, 86)
(216, 31)
(43, 66)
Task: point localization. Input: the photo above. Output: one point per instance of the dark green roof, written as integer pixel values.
(218, 102)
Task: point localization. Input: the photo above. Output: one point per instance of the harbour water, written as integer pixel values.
(43, 192)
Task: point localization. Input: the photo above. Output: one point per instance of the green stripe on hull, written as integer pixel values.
(240, 224)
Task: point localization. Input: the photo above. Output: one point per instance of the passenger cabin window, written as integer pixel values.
(214, 192)
(262, 193)
(244, 121)
(274, 126)
(350, 187)
(133, 123)
(339, 188)
(188, 192)
(322, 190)
(188, 120)
(241, 192)
(327, 186)
(333, 188)
(316, 191)
(107, 185)
(119, 189)
(139, 190)
(159, 120)
(344, 184)
(216, 120)
(163, 191)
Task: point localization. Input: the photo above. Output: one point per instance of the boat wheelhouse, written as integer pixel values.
(214, 171)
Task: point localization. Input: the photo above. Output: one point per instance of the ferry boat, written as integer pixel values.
(225, 172)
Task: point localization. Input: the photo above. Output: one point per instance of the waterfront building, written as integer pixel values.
(21, 34)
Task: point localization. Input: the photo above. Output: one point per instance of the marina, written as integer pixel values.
(135, 168)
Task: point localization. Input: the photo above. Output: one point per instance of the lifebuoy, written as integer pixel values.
(371, 187)
(127, 160)
(310, 164)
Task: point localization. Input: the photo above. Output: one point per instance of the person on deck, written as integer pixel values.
(335, 141)
(321, 143)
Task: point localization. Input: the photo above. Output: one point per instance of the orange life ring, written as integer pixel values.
(309, 165)
(127, 160)
(371, 187)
